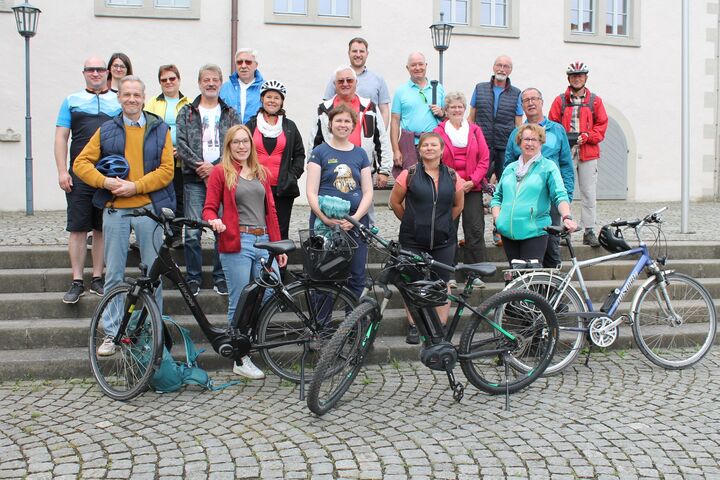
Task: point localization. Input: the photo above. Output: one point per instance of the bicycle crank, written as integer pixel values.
(603, 332)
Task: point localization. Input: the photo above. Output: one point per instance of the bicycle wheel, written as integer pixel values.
(675, 333)
(126, 373)
(532, 330)
(316, 312)
(570, 342)
(341, 359)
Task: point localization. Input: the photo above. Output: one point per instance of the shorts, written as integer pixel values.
(444, 254)
(82, 215)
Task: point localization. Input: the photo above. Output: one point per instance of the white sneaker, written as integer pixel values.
(477, 283)
(106, 348)
(248, 369)
(452, 283)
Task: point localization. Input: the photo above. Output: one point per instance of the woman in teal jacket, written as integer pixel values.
(521, 204)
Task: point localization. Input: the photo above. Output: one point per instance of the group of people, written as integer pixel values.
(232, 157)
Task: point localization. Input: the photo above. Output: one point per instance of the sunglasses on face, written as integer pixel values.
(95, 69)
(349, 81)
(244, 62)
(168, 79)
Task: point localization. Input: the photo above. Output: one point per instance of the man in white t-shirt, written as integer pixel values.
(201, 128)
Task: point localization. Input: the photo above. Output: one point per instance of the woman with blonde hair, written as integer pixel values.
(238, 186)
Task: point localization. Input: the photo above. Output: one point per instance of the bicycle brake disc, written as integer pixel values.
(601, 336)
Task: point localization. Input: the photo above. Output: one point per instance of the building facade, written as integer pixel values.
(633, 48)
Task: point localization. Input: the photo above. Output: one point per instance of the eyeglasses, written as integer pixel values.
(243, 141)
(503, 65)
(531, 140)
(531, 99)
(95, 69)
(168, 79)
(118, 66)
(349, 81)
(245, 62)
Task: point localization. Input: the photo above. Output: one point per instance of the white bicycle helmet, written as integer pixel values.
(577, 67)
(273, 85)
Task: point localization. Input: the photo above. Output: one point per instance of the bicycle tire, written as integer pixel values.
(569, 343)
(531, 320)
(685, 343)
(127, 373)
(280, 321)
(341, 359)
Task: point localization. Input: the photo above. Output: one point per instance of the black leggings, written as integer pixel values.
(528, 249)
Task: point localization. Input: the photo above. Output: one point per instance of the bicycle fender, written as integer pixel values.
(643, 288)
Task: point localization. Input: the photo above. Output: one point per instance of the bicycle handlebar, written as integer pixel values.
(167, 217)
(651, 218)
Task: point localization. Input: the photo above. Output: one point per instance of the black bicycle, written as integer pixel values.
(487, 352)
(287, 330)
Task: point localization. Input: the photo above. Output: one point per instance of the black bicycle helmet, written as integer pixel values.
(328, 255)
(113, 166)
(428, 293)
(613, 242)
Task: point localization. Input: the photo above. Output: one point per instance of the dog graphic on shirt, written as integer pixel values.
(344, 180)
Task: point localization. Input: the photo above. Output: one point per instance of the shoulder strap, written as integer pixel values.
(412, 170)
(191, 353)
(591, 105)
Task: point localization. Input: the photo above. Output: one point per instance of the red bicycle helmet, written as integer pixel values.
(577, 67)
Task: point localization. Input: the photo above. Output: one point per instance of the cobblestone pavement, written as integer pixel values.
(621, 419)
(48, 227)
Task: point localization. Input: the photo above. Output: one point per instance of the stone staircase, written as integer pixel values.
(41, 337)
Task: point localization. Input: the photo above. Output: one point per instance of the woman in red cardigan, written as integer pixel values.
(238, 185)
(467, 153)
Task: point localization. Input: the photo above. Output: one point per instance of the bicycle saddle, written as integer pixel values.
(277, 248)
(481, 269)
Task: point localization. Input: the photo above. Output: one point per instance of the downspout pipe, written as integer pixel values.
(233, 33)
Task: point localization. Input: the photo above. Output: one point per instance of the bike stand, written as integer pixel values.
(507, 385)
(587, 357)
(302, 371)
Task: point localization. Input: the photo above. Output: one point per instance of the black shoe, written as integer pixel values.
(589, 238)
(194, 287)
(413, 337)
(221, 288)
(77, 290)
(97, 286)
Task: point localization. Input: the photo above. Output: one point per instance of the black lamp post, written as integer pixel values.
(441, 33)
(26, 17)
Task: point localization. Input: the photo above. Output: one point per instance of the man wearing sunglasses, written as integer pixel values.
(242, 89)
(81, 114)
(167, 105)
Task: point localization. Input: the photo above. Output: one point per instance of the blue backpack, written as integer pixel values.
(172, 374)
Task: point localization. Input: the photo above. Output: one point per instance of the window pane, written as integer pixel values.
(290, 6)
(500, 15)
(342, 8)
(485, 10)
(574, 21)
(173, 3)
(325, 7)
(334, 8)
(131, 3)
(446, 10)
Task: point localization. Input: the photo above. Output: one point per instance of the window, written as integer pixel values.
(480, 17)
(606, 22)
(327, 13)
(5, 5)
(180, 9)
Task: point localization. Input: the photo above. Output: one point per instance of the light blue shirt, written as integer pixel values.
(132, 123)
(412, 103)
(170, 116)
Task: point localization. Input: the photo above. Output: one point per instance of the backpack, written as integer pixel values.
(565, 104)
(171, 375)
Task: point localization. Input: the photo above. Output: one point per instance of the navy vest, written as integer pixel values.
(112, 142)
(496, 129)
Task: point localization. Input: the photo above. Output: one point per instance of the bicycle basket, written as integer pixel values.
(328, 254)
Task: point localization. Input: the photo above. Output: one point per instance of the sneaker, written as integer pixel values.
(194, 287)
(77, 290)
(97, 286)
(221, 288)
(106, 348)
(477, 283)
(589, 238)
(248, 369)
(413, 337)
(452, 283)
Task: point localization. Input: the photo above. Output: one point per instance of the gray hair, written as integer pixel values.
(131, 78)
(417, 53)
(342, 68)
(455, 97)
(249, 50)
(531, 88)
(210, 67)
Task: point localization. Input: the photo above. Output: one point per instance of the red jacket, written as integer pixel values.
(477, 156)
(218, 194)
(594, 124)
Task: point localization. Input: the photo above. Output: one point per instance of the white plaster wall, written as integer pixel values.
(642, 83)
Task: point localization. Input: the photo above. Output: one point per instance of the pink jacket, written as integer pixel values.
(477, 156)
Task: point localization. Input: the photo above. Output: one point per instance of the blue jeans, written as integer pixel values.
(194, 201)
(116, 232)
(242, 267)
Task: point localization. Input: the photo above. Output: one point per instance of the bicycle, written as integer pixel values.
(486, 350)
(284, 329)
(672, 315)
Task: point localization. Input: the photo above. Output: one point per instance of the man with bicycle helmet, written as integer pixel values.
(583, 115)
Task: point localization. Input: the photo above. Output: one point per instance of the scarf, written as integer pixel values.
(523, 167)
(267, 130)
(458, 136)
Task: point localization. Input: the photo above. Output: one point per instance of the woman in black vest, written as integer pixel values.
(433, 198)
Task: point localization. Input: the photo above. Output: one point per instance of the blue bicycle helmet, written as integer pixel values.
(113, 166)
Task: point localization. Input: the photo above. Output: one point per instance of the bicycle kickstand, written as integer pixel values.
(587, 356)
(302, 371)
(457, 388)
(507, 384)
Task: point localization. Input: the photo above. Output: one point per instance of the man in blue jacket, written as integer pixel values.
(557, 149)
(242, 90)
